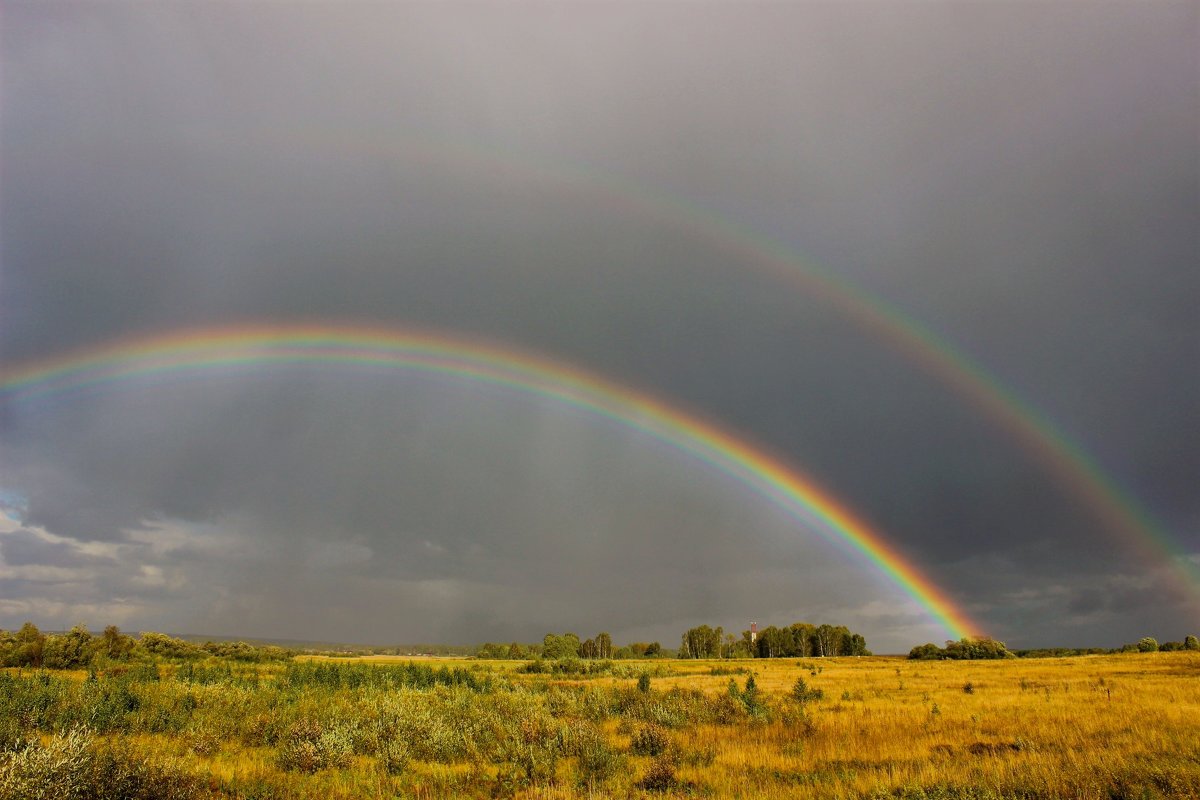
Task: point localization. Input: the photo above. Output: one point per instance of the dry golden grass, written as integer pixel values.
(1091, 727)
(1072, 727)
(1082, 727)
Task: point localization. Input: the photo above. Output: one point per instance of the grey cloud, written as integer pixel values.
(24, 547)
(1020, 180)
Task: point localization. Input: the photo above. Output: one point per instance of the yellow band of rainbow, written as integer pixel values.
(200, 349)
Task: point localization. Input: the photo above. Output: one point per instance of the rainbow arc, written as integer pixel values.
(195, 351)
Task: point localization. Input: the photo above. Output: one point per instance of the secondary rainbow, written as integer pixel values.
(1061, 458)
(1064, 460)
(200, 349)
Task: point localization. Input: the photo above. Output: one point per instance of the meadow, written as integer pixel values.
(1103, 727)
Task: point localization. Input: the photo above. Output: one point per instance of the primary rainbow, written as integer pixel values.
(1064, 460)
(200, 349)
(1115, 509)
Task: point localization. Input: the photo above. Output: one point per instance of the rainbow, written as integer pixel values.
(1061, 458)
(202, 349)
(1116, 511)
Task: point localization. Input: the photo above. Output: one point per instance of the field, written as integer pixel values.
(1120, 726)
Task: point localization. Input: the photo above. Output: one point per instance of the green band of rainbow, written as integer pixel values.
(1065, 461)
(221, 348)
(1116, 511)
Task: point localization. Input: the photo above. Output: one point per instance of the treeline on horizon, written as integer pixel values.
(982, 648)
(78, 648)
(799, 640)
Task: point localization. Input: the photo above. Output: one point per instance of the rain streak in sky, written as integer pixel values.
(935, 261)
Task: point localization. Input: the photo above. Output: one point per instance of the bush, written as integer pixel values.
(58, 770)
(927, 652)
(650, 740)
(394, 756)
(597, 760)
(802, 694)
(725, 709)
(660, 777)
(310, 748)
(965, 649)
(72, 767)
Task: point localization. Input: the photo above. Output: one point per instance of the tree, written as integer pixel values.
(589, 649)
(856, 645)
(802, 694)
(559, 647)
(1190, 642)
(114, 644)
(1147, 645)
(701, 642)
(30, 645)
(750, 695)
(168, 646)
(828, 640)
(72, 650)
(927, 652)
(774, 642)
(803, 635)
(728, 646)
(981, 647)
(604, 645)
(488, 650)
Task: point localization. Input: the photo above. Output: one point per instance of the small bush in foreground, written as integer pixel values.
(661, 775)
(650, 740)
(310, 748)
(73, 766)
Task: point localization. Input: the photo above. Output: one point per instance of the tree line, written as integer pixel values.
(985, 648)
(798, 640)
(555, 646)
(79, 648)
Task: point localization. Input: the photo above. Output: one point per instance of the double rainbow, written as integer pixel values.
(199, 350)
(1066, 462)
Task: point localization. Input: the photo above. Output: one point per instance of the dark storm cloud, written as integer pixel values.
(23, 547)
(1021, 179)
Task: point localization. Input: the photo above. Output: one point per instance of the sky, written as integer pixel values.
(869, 240)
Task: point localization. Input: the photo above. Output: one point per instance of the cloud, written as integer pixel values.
(27, 547)
(567, 182)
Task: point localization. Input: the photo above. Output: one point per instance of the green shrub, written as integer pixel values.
(60, 769)
(72, 766)
(650, 740)
(310, 747)
(802, 694)
(394, 756)
(596, 758)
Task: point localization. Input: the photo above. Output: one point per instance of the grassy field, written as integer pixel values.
(1121, 726)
